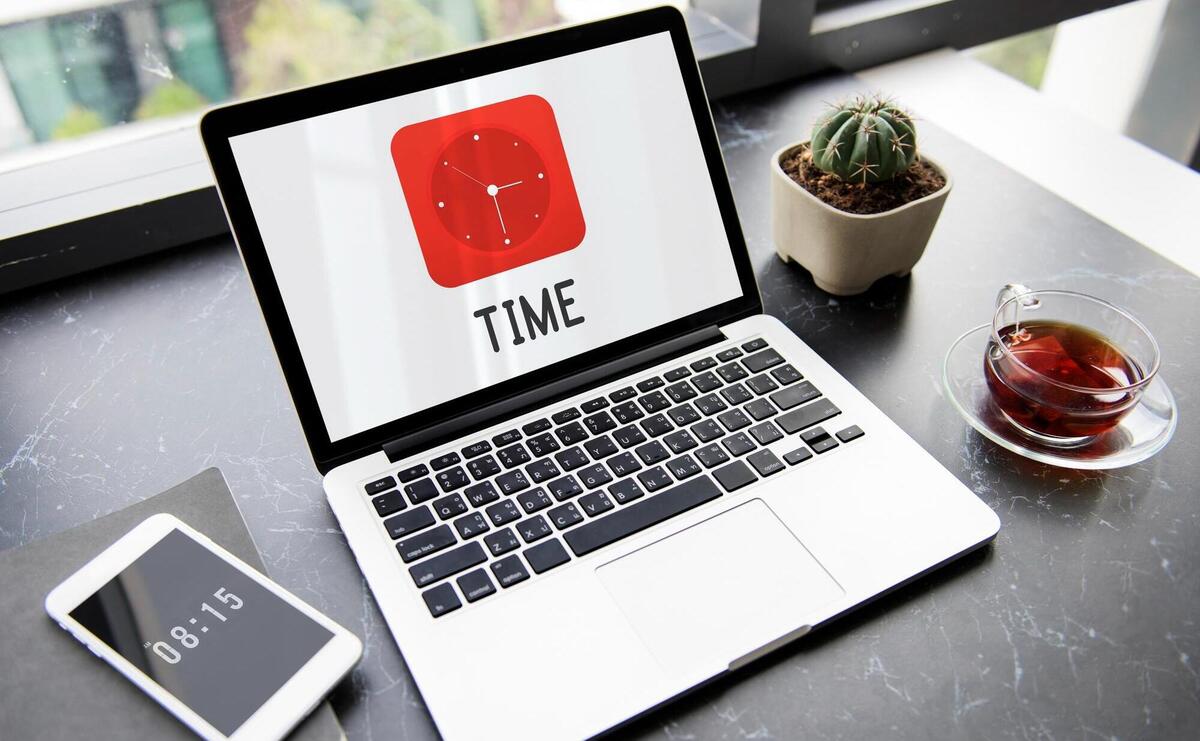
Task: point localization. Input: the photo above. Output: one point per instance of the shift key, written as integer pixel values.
(448, 563)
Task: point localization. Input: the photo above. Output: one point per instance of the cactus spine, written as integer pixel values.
(866, 140)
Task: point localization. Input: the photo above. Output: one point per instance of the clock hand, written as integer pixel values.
(502, 187)
(460, 172)
(497, 202)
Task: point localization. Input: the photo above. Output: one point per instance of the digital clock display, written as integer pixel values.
(204, 631)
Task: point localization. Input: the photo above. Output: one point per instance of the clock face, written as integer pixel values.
(490, 189)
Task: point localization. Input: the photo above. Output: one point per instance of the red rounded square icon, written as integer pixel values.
(488, 189)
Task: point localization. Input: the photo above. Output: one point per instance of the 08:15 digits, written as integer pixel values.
(169, 653)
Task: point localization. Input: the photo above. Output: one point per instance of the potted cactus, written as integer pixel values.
(856, 202)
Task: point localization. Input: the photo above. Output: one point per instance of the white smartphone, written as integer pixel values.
(223, 648)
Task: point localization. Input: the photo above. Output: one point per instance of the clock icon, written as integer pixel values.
(490, 189)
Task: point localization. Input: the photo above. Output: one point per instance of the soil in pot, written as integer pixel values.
(916, 182)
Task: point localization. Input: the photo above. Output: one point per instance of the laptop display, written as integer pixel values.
(442, 241)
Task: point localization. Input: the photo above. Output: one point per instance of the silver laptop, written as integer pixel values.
(579, 467)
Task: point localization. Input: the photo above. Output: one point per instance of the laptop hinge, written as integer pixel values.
(548, 393)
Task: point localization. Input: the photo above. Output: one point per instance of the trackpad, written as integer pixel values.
(708, 595)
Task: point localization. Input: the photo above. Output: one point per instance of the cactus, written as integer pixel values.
(866, 140)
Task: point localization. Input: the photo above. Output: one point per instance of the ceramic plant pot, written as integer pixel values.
(848, 252)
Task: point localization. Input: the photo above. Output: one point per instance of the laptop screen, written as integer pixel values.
(436, 243)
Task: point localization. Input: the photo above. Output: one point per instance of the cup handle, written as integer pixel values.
(1012, 315)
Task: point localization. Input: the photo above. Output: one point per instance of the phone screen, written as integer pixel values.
(205, 632)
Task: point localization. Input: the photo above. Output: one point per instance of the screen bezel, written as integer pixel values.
(218, 126)
(281, 711)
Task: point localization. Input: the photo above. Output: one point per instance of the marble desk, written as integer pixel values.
(1080, 621)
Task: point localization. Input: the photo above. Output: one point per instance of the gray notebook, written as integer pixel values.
(51, 687)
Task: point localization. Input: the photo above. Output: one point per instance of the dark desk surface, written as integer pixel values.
(1080, 621)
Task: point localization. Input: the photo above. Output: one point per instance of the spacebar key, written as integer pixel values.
(638, 517)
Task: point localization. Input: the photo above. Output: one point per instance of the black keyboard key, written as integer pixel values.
(594, 405)
(481, 494)
(765, 433)
(683, 415)
(624, 464)
(482, 468)
(711, 455)
(732, 372)
(627, 412)
(571, 433)
(625, 491)
(599, 423)
(654, 479)
(381, 485)
(622, 394)
(452, 478)
(760, 361)
(703, 364)
(706, 382)
(542, 445)
(566, 415)
(641, 515)
(444, 461)
(654, 402)
(757, 343)
(536, 426)
(807, 416)
(710, 404)
(468, 526)
(533, 528)
(413, 472)
(680, 441)
(513, 455)
(447, 564)
(680, 392)
(504, 438)
(727, 355)
(786, 374)
(534, 500)
(813, 435)
(760, 409)
(421, 491)
(794, 396)
(450, 506)
(762, 384)
(476, 585)
(824, 445)
(502, 513)
(707, 430)
(733, 420)
(683, 467)
(509, 571)
(799, 455)
(501, 541)
(564, 488)
(652, 452)
(738, 444)
(657, 425)
(600, 447)
(422, 544)
(542, 470)
(765, 462)
(389, 503)
(594, 476)
(853, 432)
(675, 375)
(734, 476)
(571, 458)
(512, 482)
(408, 523)
(546, 556)
(564, 516)
(735, 394)
(650, 384)
(475, 450)
(629, 436)
(441, 600)
(596, 503)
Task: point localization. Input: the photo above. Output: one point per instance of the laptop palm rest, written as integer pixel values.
(725, 588)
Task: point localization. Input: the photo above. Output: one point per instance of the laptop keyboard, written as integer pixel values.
(503, 510)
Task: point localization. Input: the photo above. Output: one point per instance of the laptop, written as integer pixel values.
(580, 469)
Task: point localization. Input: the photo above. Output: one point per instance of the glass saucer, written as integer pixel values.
(1142, 433)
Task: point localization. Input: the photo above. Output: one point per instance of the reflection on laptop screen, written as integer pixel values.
(436, 243)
